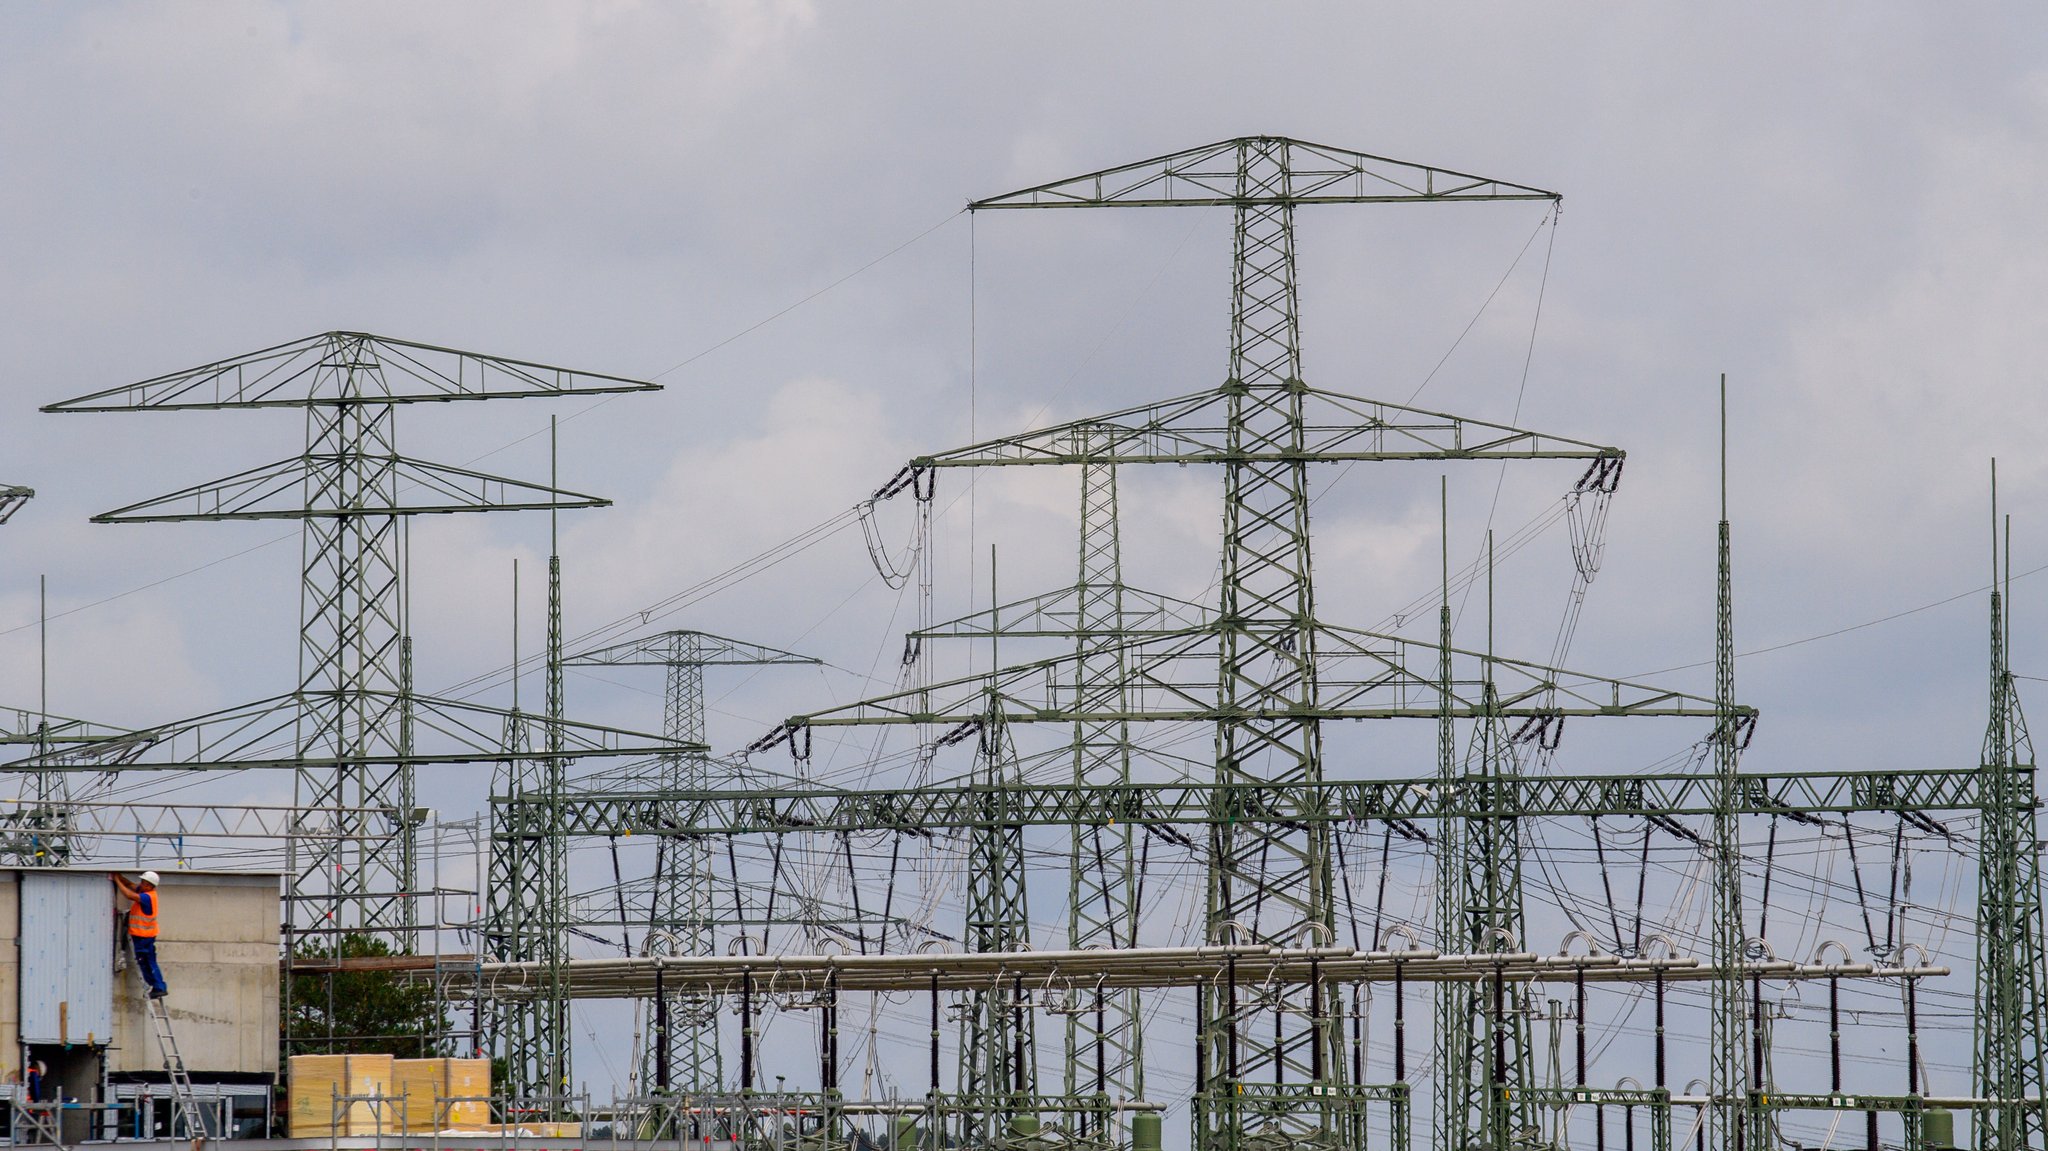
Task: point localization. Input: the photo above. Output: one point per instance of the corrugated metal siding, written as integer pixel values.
(67, 958)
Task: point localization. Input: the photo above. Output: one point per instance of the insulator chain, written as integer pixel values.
(1545, 731)
(1586, 518)
(798, 736)
(922, 484)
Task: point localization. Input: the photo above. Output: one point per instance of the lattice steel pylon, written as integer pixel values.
(998, 1077)
(1267, 883)
(682, 905)
(1735, 1075)
(1482, 1028)
(1105, 1057)
(353, 730)
(2010, 1063)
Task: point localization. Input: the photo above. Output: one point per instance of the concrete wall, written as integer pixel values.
(219, 948)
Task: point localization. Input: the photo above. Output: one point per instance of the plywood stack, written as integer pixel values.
(316, 1081)
(421, 1083)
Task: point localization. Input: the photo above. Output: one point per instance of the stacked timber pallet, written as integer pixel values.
(377, 1095)
(339, 1095)
(442, 1094)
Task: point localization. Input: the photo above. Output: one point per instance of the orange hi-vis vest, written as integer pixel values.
(142, 917)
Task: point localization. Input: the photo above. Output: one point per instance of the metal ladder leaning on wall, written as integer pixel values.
(186, 1106)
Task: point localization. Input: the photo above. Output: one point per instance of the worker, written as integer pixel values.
(142, 928)
(37, 1072)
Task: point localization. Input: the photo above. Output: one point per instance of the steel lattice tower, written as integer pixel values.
(998, 1044)
(1267, 1066)
(354, 730)
(1483, 1028)
(2009, 1057)
(1266, 673)
(1734, 1078)
(682, 905)
(1105, 1058)
(1267, 883)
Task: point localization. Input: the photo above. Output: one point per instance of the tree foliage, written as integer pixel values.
(362, 1012)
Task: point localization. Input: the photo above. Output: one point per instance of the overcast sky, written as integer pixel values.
(1836, 204)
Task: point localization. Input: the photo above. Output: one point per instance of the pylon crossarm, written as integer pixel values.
(279, 492)
(1520, 685)
(286, 731)
(948, 806)
(698, 648)
(1060, 615)
(12, 496)
(1171, 677)
(1336, 428)
(22, 725)
(328, 368)
(1210, 176)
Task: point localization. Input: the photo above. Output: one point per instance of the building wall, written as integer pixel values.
(219, 947)
(219, 950)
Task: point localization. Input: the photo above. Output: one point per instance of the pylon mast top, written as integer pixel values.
(698, 647)
(333, 368)
(1315, 174)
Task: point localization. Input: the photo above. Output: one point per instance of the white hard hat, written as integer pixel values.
(151, 878)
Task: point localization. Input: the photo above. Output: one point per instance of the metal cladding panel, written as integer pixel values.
(67, 957)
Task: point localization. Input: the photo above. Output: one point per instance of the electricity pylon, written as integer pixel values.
(1486, 1053)
(2009, 1058)
(686, 1058)
(998, 1080)
(1734, 1077)
(354, 729)
(1267, 1056)
(1270, 883)
(1103, 1036)
(1104, 1056)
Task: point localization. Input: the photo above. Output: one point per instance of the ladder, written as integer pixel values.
(185, 1104)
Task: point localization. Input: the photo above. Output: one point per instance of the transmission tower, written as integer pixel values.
(682, 1051)
(1735, 1071)
(1268, 883)
(2009, 1057)
(354, 729)
(1103, 1036)
(1267, 1063)
(1099, 614)
(998, 1080)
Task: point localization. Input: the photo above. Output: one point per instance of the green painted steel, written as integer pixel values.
(352, 728)
(914, 811)
(2008, 1063)
(683, 915)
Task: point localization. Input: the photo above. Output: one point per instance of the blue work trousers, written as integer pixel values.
(145, 960)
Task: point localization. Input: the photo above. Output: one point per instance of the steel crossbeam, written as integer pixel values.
(942, 808)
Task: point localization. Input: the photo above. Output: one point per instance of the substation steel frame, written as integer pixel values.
(682, 1050)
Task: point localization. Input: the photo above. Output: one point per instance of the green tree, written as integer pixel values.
(361, 1010)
